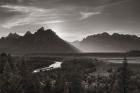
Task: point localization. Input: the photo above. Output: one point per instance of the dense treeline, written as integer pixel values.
(74, 76)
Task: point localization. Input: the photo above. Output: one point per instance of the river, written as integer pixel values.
(56, 65)
(133, 60)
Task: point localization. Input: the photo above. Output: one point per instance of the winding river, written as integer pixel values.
(56, 65)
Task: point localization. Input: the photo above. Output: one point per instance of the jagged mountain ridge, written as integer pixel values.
(42, 41)
(105, 42)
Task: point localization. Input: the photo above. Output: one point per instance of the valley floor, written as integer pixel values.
(69, 74)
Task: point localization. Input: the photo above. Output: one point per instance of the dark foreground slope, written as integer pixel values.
(42, 41)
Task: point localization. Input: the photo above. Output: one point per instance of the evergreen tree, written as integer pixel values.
(10, 80)
(123, 78)
(16, 77)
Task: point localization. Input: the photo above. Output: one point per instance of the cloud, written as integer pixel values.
(34, 15)
(20, 1)
(31, 15)
(86, 15)
(52, 22)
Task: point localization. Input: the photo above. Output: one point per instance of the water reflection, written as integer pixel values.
(52, 66)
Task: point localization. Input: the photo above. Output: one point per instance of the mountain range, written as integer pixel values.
(47, 41)
(42, 41)
(105, 42)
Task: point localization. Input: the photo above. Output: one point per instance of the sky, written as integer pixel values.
(70, 19)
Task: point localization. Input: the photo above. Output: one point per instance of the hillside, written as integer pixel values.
(42, 41)
(105, 42)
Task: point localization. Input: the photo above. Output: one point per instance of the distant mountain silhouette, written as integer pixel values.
(42, 41)
(105, 42)
(75, 43)
(134, 52)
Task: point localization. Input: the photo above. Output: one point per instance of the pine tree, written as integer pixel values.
(123, 78)
(10, 80)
